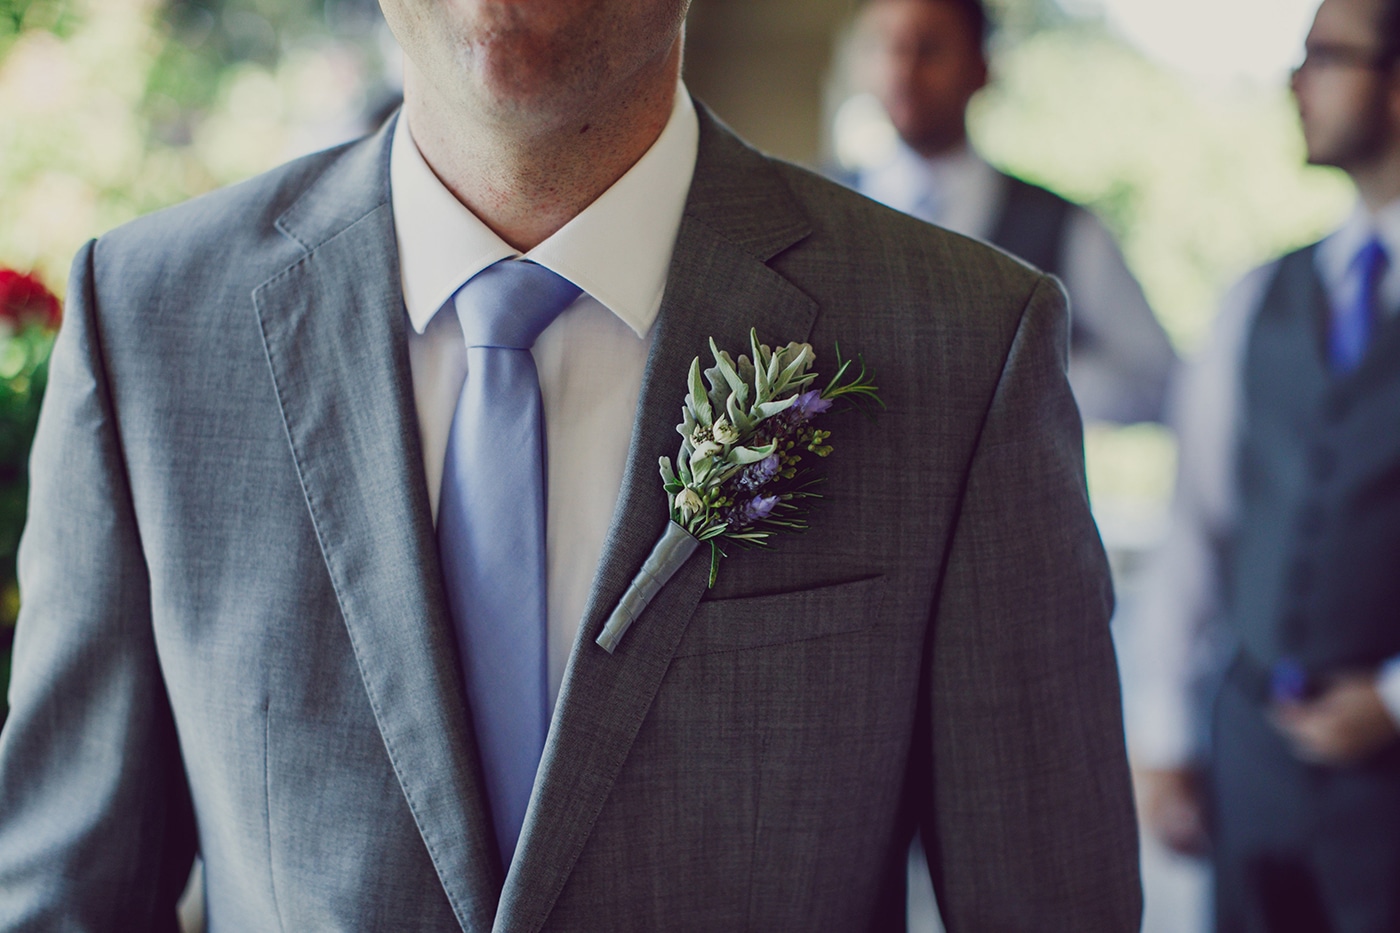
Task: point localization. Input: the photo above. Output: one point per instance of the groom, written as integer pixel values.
(304, 594)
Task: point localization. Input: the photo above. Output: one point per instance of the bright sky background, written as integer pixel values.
(1214, 40)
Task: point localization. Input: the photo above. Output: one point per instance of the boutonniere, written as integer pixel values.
(743, 473)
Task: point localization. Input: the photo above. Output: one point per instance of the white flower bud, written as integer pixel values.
(725, 433)
(707, 449)
(689, 502)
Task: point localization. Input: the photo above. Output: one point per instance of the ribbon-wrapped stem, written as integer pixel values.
(670, 553)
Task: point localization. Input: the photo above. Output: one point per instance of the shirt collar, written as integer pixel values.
(954, 189)
(907, 176)
(1335, 254)
(618, 249)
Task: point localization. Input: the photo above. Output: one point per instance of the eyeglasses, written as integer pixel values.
(1329, 56)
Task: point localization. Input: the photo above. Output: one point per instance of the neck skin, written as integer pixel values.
(526, 182)
(934, 149)
(1377, 178)
(1378, 183)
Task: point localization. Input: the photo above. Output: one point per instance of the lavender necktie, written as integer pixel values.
(491, 529)
(1354, 319)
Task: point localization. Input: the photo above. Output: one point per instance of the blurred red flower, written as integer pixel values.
(25, 300)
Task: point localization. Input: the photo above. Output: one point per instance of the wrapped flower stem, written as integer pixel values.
(670, 553)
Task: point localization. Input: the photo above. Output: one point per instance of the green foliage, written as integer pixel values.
(204, 39)
(24, 360)
(1200, 183)
(56, 16)
(129, 111)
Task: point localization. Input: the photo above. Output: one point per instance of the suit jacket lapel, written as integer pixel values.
(333, 327)
(739, 215)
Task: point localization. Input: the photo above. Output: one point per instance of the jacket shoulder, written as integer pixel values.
(230, 232)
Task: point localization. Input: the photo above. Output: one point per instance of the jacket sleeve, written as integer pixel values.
(96, 831)
(1027, 816)
(1176, 643)
(1123, 361)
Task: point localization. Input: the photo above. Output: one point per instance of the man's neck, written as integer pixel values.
(1378, 183)
(946, 155)
(939, 148)
(527, 183)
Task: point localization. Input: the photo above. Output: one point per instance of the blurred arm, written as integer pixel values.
(1030, 824)
(1178, 611)
(1121, 362)
(95, 825)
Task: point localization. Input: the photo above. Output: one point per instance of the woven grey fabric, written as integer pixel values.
(234, 635)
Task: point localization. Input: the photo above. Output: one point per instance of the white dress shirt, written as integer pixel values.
(1121, 373)
(1179, 610)
(590, 359)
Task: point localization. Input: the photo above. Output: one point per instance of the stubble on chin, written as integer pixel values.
(515, 71)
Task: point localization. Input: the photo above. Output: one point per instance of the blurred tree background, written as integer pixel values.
(113, 108)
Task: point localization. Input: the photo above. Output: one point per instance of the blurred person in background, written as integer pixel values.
(1280, 569)
(925, 60)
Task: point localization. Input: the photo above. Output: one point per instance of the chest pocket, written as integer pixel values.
(743, 622)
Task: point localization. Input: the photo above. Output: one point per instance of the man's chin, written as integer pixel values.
(1320, 154)
(533, 82)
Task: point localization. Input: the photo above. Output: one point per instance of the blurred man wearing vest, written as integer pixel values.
(1288, 532)
(924, 60)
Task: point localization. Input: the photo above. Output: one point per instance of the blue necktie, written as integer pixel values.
(491, 529)
(1354, 319)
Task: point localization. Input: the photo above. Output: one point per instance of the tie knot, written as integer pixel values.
(509, 304)
(1370, 257)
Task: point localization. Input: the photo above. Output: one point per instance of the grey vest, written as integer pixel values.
(1314, 569)
(1032, 225)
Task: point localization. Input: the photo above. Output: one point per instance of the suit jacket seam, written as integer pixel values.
(309, 190)
(267, 804)
(312, 250)
(924, 812)
(101, 374)
(976, 447)
(103, 378)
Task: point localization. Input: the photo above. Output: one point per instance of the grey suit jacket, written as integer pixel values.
(234, 638)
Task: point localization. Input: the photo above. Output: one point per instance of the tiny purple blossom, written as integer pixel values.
(756, 474)
(809, 404)
(759, 508)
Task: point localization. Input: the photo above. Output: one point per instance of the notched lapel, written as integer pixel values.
(738, 216)
(334, 331)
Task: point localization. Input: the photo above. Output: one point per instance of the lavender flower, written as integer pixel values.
(808, 405)
(759, 508)
(756, 474)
